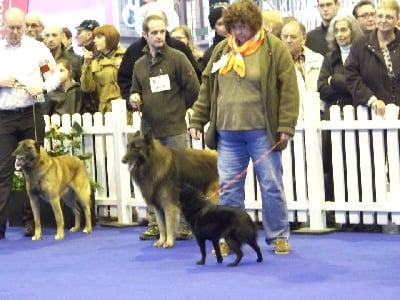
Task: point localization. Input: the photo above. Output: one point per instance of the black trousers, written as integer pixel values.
(26, 123)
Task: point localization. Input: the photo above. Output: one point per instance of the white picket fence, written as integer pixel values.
(375, 141)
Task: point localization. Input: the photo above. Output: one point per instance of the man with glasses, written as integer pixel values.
(23, 62)
(34, 26)
(364, 12)
(316, 37)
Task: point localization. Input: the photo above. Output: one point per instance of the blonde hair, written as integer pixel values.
(190, 43)
(273, 21)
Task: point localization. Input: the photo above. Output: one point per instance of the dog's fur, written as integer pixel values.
(213, 222)
(158, 171)
(50, 178)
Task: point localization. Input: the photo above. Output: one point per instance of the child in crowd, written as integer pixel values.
(67, 98)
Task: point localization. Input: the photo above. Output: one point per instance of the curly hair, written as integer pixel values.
(245, 12)
(111, 34)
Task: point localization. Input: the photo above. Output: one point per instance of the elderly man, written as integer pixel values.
(34, 26)
(24, 63)
(308, 63)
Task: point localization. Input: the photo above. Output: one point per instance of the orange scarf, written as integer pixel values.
(235, 57)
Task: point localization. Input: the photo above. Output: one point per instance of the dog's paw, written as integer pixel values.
(37, 237)
(58, 237)
(168, 244)
(159, 243)
(87, 230)
(73, 229)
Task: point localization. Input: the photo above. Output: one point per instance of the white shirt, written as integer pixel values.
(23, 62)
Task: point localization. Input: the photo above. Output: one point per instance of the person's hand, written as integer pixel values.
(195, 133)
(379, 107)
(284, 139)
(7, 82)
(135, 101)
(34, 91)
(87, 56)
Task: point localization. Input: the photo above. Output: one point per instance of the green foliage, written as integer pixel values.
(62, 143)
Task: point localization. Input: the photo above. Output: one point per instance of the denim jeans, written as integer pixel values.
(175, 141)
(235, 148)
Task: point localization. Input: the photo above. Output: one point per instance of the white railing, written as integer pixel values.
(372, 141)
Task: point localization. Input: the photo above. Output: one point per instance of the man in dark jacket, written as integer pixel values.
(125, 73)
(135, 51)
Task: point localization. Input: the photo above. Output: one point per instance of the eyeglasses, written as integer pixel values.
(367, 15)
(33, 25)
(387, 17)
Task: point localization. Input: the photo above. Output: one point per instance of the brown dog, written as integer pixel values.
(50, 178)
(159, 172)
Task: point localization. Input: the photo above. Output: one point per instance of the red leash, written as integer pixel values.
(243, 173)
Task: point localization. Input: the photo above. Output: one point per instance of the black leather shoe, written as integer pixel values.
(29, 229)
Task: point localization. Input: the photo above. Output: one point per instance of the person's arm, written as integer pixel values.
(188, 80)
(324, 87)
(174, 43)
(353, 78)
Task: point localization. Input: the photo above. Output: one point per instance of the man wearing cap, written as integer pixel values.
(84, 35)
(85, 39)
(217, 24)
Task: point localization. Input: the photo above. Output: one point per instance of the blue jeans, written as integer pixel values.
(235, 148)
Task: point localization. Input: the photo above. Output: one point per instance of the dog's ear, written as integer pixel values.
(37, 146)
(148, 136)
(130, 136)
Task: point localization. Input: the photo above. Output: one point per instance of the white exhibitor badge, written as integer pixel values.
(160, 83)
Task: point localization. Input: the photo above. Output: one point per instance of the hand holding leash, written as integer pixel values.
(135, 101)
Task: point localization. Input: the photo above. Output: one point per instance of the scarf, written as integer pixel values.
(235, 57)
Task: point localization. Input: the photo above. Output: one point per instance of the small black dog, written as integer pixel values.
(213, 222)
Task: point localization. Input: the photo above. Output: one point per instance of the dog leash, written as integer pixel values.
(244, 172)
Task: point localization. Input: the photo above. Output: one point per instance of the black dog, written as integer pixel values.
(213, 222)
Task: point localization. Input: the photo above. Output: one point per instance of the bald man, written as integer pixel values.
(23, 62)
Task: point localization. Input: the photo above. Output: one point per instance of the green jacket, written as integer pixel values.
(279, 89)
(101, 77)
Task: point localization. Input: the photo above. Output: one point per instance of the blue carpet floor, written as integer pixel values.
(112, 263)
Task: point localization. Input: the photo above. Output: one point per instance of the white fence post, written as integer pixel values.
(316, 193)
(121, 171)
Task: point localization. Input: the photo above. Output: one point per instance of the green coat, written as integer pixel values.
(279, 89)
(100, 76)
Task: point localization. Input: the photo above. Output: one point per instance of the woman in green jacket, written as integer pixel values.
(100, 74)
(249, 94)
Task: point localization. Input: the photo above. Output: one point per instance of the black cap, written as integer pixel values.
(216, 12)
(88, 25)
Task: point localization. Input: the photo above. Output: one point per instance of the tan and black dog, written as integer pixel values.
(50, 179)
(160, 171)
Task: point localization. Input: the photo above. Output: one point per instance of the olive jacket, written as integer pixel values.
(279, 89)
(101, 76)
